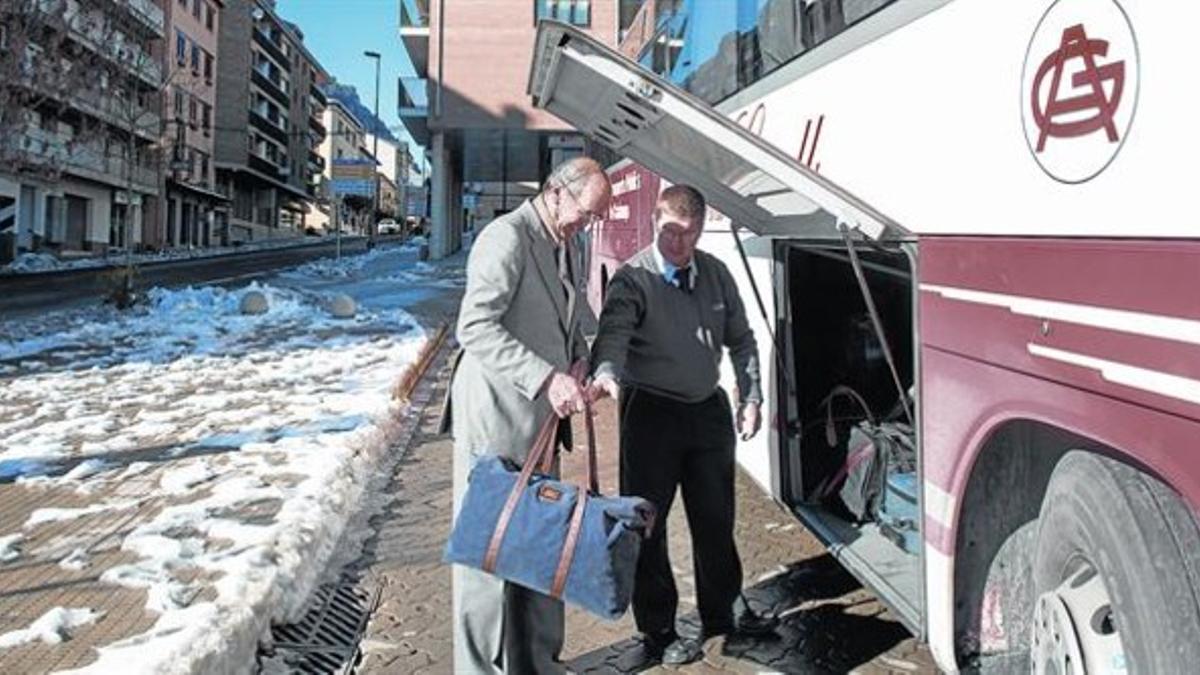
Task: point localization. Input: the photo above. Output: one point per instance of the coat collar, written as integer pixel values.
(542, 250)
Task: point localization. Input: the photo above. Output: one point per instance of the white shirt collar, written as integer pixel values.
(668, 269)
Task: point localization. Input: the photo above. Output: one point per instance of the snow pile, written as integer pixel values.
(77, 561)
(188, 322)
(346, 266)
(52, 627)
(43, 262)
(10, 547)
(182, 480)
(51, 515)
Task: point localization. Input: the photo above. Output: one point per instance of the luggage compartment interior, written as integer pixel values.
(832, 342)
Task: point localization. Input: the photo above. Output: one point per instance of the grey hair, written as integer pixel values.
(573, 171)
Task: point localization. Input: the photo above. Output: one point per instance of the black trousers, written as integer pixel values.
(667, 444)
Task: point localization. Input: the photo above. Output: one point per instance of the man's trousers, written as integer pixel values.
(668, 444)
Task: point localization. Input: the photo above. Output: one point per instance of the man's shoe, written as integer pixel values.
(654, 644)
(748, 624)
(683, 651)
(755, 625)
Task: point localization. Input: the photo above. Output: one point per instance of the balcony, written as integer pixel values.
(269, 124)
(270, 168)
(414, 32)
(319, 95)
(413, 107)
(93, 36)
(102, 105)
(40, 147)
(147, 14)
(318, 126)
(316, 161)
(276, 88)
(271, 41)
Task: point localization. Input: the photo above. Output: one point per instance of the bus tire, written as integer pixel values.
(1118, 554)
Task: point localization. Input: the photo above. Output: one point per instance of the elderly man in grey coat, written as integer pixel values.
(519, 331)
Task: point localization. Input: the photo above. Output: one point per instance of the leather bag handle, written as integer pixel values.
(542, 446)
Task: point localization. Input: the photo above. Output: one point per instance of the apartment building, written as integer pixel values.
(395, 161)
(80, 82)
(348, 168)
(389, 198)
(189, 213)
(477, 122)
(268, 117)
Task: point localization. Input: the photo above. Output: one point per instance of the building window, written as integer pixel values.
(207, 123)
(3, 37)
(180, 47)
(178, 104)
(209, 16)
(195, 59)
(193, 113)
(196, 9)
(574, 12)
(208, 68)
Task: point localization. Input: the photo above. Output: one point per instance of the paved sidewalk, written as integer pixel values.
(830, 624)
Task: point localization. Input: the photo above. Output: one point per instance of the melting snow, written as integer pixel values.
(259, 434)
(52, 627)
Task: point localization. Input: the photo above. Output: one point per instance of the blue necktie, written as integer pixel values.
(683, 278)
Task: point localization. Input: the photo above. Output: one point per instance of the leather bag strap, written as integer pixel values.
(569, 545)
(589, 487)
(539, 448)
(542, 446)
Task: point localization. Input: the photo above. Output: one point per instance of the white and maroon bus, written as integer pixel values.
(1017, 180)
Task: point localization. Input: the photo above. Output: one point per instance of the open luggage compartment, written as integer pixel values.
(829, 341)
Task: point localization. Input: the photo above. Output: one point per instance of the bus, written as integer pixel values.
(995, 227)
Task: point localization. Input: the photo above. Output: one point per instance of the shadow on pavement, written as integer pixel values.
(814, 636)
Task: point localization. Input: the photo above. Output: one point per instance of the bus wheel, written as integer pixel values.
(1116, 573)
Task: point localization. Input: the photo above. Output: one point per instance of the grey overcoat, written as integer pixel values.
(517, 324)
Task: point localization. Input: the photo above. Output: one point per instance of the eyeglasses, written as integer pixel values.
(592, 217)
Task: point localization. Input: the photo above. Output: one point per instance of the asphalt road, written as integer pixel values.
(35, 293)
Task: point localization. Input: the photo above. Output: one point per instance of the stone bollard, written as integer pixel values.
(254, 302)
(342, 307)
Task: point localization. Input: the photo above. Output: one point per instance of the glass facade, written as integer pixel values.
(574, 12)
(715, 48)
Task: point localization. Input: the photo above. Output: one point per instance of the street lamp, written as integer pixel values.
(374, 154)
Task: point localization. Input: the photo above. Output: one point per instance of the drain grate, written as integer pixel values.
(326, 640)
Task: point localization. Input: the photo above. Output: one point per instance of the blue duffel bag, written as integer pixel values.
(564, 540)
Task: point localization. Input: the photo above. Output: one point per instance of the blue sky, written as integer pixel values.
(338, 31)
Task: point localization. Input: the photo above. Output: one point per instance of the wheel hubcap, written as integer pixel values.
(1074, 631)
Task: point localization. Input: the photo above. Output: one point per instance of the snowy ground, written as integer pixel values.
(239, 444)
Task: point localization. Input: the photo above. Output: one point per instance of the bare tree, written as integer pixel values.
(81, 88)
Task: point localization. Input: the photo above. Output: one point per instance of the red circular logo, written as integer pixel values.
(1079, 87)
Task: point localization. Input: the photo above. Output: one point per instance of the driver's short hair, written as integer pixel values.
(684, 201)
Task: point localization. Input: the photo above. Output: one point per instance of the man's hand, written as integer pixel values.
(602, 386)
(749, 420)
(565, 395)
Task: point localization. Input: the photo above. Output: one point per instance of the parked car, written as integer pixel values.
(388, 226)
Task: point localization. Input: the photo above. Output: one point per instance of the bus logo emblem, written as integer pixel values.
(1076, 45)
(1079, 88)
